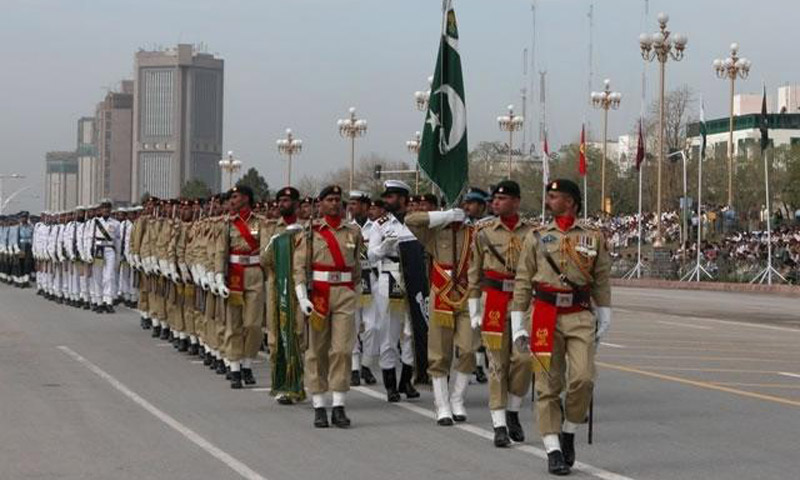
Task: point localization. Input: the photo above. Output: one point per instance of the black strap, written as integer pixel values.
(493, 250)
(554, 266)
(102, 229)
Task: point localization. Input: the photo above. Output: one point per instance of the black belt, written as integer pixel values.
(494, 284)
(580, 298)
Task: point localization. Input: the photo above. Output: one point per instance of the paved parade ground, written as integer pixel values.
(691, 385)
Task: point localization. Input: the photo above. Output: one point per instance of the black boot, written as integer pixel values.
(183, 345)
(236, 380)
(208, 360)
(86, 305)
(109, 309)
(355, 378)
(405, 382)
(156, 331)
(368, 377)
(480, 375)
(165, 333)
(514, 427)
(501, 439)
(390, 383)
(247, 376)
(220, 367)
(320, 418)
(339, 418)
(556, 464)
(228, 373)
(568, 448)
(194, 349)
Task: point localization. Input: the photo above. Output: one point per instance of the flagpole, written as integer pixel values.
(585, 199)
(696, 274)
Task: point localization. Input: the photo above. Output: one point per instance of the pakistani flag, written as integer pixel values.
(443, 154)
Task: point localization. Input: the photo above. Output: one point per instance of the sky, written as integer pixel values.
(303, 63)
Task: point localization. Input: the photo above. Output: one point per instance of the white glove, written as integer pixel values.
(519, 335)
(211, 282)
(475, 317)
(15, 249)
(221, 288)
(185, 273)
(204, 282)
(201, 274)
(388, 246)
(302, 298)
(163, 267)
(438, 219)
(173, 273)
(603, 317)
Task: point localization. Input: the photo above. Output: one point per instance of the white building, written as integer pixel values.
(784, 129)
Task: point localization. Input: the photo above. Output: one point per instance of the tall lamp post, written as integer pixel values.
(230, 165)
(413, 146)
(732, 68)
(3, 200)
(422, 97)
(605, 100)
(352, 128)
(510, 123)
(661, 46)
(290, 147)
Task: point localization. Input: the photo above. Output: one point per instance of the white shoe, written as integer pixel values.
(441, 400)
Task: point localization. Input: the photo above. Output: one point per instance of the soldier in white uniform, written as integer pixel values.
(105, 245)
(391, 307)
(84, 258)
(125, 285)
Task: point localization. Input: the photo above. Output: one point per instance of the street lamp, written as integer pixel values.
(231, 165)
(351, 128)
(661, 46)
(510, 123)
(605, 100)
(413, 146)
(422, 98)
(731, 68)
(289, 146)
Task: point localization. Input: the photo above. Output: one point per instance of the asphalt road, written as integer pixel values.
(691, 385)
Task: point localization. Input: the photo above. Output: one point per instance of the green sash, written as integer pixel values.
(287, 361)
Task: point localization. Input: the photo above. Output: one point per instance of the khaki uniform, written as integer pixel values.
(174, 290)
(215, 306)
(331, 335)
(190, 258)
(447, 329)
(137, 245)
(245, 308)
(581, 254)
(509, 370)
(160, 253)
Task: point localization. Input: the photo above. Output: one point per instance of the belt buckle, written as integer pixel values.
(564, 300)
(334, 277)
(508, 285)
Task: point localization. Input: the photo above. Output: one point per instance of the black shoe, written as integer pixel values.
(236, 380)
(460, 418)
(109, 309)
(390, 383)
(284, 400)
(568, 448)
(221, 370)
(156, 331)
(355, 378)
(194, 349)
(228, 373)
(247, 376)
(368, 377)
(501, 439)
(405, 382)
(165, 333)
(339, 418)
(208, 360)
(445, 422)
(480, 375)
(514, 427)
(320, 418)
(86, 305)
(556, 464)
(183, 345)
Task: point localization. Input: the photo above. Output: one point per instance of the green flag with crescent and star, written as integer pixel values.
(443, 153)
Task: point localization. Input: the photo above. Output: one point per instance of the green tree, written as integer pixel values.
(195, 189)
(255, 181)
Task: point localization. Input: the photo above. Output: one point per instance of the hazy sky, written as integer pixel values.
(302, 63)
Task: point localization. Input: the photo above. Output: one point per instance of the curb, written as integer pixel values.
(783, 290)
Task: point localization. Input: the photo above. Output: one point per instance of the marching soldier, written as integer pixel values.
(105, 245)
(495, 253)
(451, 338)
(474, 206)
(139, 237)
(564, 267)
(327, 260)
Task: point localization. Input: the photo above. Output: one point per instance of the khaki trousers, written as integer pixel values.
(329, 355)
(157, 303)
(210, 321)
(174, 308)
(144, 280)
(509, 371)
(573, 347)
(442, 342)
(243, 334)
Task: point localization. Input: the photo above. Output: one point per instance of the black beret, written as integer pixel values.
(430, 198)
(308, 200)
(475, 194)
(290, 192)
(566, 186)
(507, 187)
(243, 190)
(330, 190)
(377, 203)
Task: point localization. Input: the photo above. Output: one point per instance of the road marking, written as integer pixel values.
(697, 383)
(688, 357)
(711, 370)
(715, 320)
(191, 435)
(197, 361)
(165, 344)
(260, 389)
(686, 325)
(486, 434)
(787, 374)
(757, 385)
(612, 345)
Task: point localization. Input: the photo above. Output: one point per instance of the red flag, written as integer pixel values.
(545, 161)
(582, 152)
(640, 147)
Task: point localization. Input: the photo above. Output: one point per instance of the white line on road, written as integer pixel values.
(676, 324)
(483, 433)
(715, 320)
(612, 345)
(787, 374)
(191, 435)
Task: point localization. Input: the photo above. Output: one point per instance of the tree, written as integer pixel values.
(254, 180)
(195, 189)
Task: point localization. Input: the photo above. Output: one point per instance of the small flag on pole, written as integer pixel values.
(764, 122)
(582, 153)
(545, 161)
(640, 147)
(703, 131)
